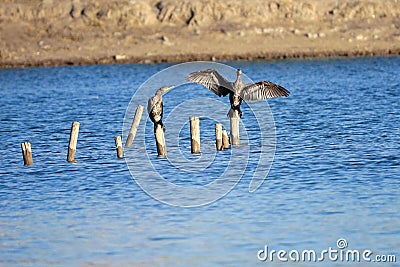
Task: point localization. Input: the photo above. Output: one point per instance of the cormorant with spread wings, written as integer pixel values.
(237, 90)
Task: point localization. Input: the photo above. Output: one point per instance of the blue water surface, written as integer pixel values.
(336, 171)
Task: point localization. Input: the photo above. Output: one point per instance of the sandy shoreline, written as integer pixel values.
(195, 57)
(49, 33)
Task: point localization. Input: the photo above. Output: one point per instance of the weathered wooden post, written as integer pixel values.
(118, 145)
(218, 136)
(73, 139)
(195, 134)
(234, 123)
(135, 124)
(27, 153)
(160, 140)
(225, 140)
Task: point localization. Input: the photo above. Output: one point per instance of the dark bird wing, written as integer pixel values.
(262, 90)
(150, 104)
(212, 80)
(155, 108)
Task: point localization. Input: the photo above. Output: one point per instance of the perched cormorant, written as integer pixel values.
(237, 90)
(155, 106)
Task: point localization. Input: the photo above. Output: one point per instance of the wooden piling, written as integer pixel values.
(135, 124)
(218, 136)
(195, 134)
(160, 140)
(225, 140)
(118, 145)
(234, 123)
(27, 153)
(73, 139)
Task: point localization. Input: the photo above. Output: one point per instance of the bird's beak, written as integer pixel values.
(168, 88)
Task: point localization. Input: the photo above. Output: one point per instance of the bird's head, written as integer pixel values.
(164, 89)
(239, 71)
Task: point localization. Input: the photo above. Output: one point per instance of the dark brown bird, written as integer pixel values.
(237, 90)
(155, 106)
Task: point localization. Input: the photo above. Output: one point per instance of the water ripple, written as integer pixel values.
(335, 172)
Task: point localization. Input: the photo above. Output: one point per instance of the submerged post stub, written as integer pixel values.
(27, 153)
(118, 146)
(73, 139)
(218, 136)
(135, 124)
(195, 134)
(234, 123)
(225, 140)
(160, 140)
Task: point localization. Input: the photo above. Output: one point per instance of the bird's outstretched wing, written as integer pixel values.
(212, 80)
(262, 90)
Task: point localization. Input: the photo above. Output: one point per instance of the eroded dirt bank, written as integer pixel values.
(50, 32)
